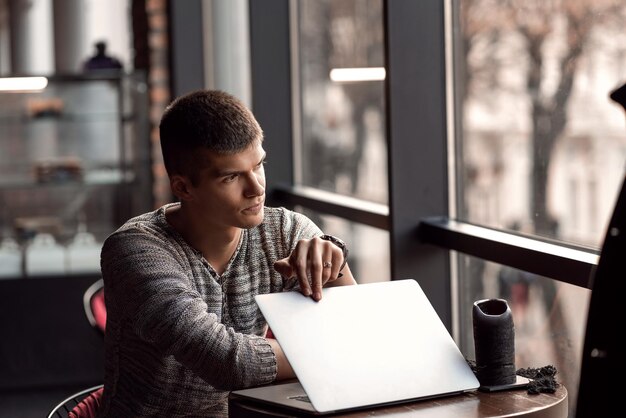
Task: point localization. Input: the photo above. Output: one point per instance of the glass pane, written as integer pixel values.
(549, 317)
(540, 150)
(343, 147)
(369, 247)
(541, 145)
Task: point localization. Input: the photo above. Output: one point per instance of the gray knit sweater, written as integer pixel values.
(179, 336)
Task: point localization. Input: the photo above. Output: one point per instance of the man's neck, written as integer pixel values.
(217, 245)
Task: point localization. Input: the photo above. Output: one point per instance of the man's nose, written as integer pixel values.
(255, 185)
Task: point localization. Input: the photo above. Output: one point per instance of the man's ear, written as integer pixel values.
(181, 187)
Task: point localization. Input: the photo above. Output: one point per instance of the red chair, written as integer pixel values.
(95, 308)
(83, 404)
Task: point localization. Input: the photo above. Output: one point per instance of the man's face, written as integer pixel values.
(230, 191)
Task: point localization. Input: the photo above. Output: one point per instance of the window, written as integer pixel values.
(459, 104)
(542, 147)
(541, 151)
(340, 140)
(341, 72)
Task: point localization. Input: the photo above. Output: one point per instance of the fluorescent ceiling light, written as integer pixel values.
(357, 74)
(23, 83)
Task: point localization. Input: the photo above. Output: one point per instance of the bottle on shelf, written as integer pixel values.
(83, 252)
(10, 258)
(44, 256)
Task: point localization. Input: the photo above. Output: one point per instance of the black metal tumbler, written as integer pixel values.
(494, 342)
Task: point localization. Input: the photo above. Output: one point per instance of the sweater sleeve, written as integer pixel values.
(148, 285)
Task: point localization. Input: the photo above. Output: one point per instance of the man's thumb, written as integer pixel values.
(284, 268)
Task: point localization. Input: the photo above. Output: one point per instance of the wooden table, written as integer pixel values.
(512, 403)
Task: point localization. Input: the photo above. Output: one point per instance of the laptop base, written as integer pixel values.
(290, 400)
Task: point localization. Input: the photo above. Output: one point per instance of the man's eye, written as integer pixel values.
(230, 178)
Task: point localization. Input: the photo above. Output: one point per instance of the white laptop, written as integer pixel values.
(361, 346)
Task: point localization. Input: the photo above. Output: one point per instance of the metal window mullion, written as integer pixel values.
(416, 134)
(270, 66)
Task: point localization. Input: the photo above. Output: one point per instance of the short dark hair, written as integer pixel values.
(204, 119)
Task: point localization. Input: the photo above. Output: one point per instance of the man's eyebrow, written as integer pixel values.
(225, 173)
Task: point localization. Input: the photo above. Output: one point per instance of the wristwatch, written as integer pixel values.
(339, 243)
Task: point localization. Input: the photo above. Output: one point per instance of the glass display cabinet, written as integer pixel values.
(74, 165)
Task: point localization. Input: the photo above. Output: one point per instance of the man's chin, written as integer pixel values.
(254, 220)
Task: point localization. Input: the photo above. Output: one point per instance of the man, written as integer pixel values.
(183, 328)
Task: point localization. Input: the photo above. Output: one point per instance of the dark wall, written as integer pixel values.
(45, 338)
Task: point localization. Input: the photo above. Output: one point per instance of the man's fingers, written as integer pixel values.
(314, 262)
(299, 263)
(288, 270)
(315, 257)
(325, 260)
(329, 265)
(333, 259)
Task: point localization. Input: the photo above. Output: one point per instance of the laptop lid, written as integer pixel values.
(365, 345)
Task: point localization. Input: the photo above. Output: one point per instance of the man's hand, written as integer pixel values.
(316, 263)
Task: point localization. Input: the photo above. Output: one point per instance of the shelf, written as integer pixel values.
(67, 118)
(91, 178)
(77, 151)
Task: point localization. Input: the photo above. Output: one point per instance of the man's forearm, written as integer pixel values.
(283, 368)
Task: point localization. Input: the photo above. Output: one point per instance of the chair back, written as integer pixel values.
(95, 308)
(82, 404)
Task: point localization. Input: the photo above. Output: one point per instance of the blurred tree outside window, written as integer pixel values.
(540, 150)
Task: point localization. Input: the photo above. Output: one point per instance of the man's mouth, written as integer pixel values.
(255, 208)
